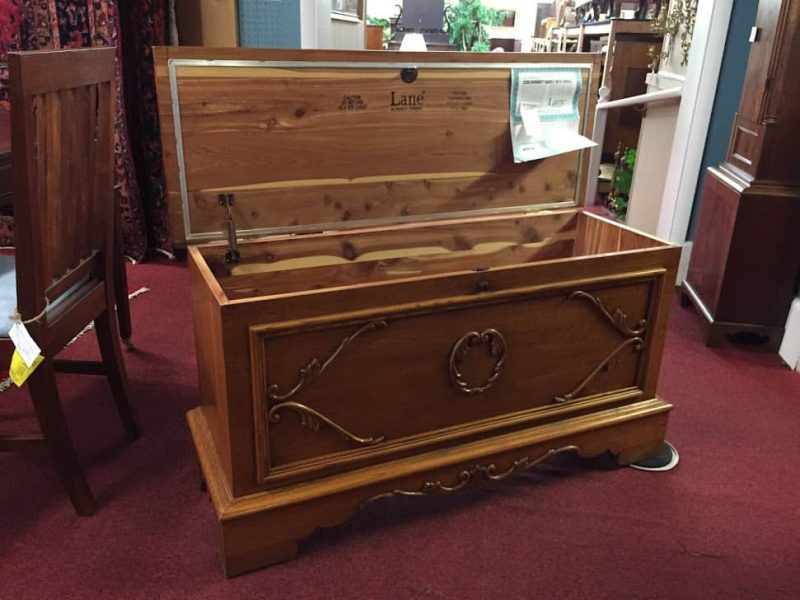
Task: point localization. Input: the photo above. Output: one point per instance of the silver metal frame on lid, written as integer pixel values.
(172, 69)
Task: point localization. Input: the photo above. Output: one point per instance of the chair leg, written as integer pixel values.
(44, 394)
(121, 285)
(108, 340)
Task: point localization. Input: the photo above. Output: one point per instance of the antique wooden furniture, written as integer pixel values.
(6, 208)
(6, 185)
(745, 258)
(57, 279)
(630, 46)
(207, 22)
(415, 311)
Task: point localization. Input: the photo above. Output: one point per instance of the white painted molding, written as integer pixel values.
(691, 129)
(683, 266)
(790, 346)
(664, 80)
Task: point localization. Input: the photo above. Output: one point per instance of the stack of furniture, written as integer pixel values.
(746, 256)
(629, 47)
(543, 42)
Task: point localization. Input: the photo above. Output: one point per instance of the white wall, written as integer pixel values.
(655, 141)
(699, 89)
(383, 9)
(346, 35)
(320, 30)
(312, 29)
(652, 159)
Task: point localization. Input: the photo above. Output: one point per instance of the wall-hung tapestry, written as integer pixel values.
(39, 24)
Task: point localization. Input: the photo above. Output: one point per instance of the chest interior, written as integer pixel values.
(272, 266)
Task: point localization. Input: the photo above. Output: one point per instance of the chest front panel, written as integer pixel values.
(344, 392)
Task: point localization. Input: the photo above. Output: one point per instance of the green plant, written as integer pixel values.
(387, 29)
(466, 23)
(624, 163)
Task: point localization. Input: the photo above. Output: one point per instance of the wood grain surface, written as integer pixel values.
(62, 131)
(328, 385)
(304, 146)
(340, 366)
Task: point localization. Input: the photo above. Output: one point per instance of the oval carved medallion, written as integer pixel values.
(495, 346)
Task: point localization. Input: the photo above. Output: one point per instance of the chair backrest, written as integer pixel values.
(62, 135)
(546, 26)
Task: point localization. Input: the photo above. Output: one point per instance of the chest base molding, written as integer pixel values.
(264, 528)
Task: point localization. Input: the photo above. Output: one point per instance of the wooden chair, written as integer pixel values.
(63, 162)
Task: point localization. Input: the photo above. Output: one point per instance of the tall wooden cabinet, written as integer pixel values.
(746, 257)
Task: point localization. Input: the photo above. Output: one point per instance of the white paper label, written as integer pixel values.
(531, 122)
(27, 348)
(544, 112)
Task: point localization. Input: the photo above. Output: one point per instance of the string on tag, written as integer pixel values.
(17, 318)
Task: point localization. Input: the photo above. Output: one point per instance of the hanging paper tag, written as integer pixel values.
(27, 348)
(19, 371)
(544, 112)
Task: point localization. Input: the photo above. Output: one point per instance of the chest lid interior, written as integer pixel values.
(317, 140)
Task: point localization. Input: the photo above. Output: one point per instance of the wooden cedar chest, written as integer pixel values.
(412, 312)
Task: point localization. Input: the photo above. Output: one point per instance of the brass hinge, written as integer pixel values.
(232, 254)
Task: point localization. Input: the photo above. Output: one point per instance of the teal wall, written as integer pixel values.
(269, 23)
(729, 90)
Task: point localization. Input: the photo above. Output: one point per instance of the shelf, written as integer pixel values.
(600, 28)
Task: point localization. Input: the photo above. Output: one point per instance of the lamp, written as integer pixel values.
(413, 42)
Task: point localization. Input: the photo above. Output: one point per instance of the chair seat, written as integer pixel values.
(8, 292)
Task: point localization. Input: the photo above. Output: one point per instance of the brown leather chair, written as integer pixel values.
(63, 163)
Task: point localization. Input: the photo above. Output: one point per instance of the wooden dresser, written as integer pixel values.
(746, 256)
(412, 312)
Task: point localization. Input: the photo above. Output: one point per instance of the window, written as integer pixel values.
(347, 8)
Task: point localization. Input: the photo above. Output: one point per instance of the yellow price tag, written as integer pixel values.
(19, 371)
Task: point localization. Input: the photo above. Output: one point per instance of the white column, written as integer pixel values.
(699, 90)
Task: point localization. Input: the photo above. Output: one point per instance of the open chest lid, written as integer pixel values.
(309, 140)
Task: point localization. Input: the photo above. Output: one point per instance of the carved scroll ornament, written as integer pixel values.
(619, 320)
(315, 367)
(474, 474)
(496, 347)
(608, 363)
(310, 417)
(314, 419)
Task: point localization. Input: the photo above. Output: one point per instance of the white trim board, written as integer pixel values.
(790, 346)
(683, 266)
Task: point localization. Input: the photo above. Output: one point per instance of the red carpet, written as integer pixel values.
(724, 524)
